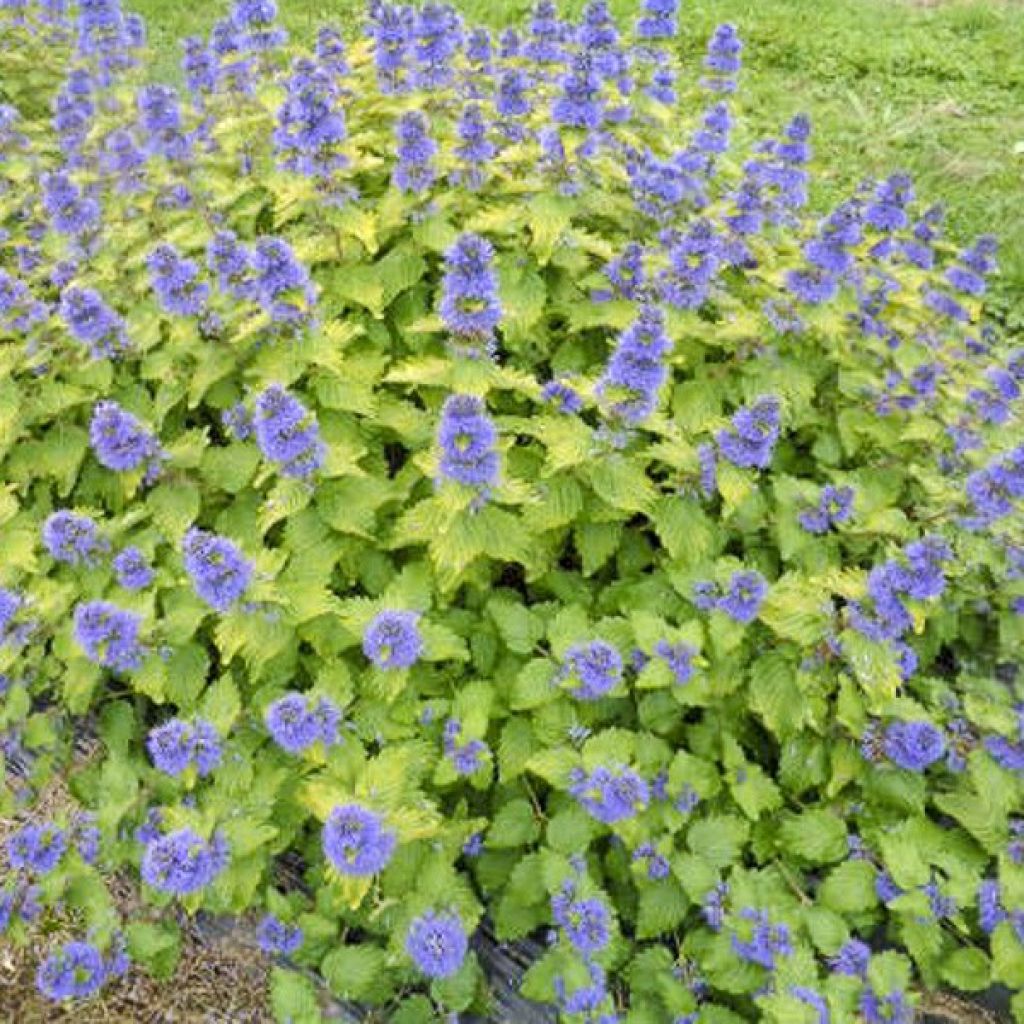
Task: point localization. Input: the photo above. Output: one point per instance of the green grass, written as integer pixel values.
(931, 87)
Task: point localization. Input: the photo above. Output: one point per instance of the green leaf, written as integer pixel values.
(967, 969)
(293, 997)
(174, 507)
(815, 837)
(718, 838)
(661, 908)
(849, 888)
(514, 824)
(155, 946)
(356, 972)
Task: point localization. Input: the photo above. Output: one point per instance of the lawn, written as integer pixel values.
(931, 87)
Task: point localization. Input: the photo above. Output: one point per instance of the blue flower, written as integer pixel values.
(851, 959)
(176, 281)
(219, 571)
(914, 745)
(37, 848)
(679, 658)
(468, 438)
(767, 940)
(470, 305)
(287, 433)
(121, 443)
(109, 635)
(176, 745)
(132, 569)
(72, 538)
(723, 59)
(295, 725)
(393, 640)
(74, 971)
(183, 862)
(91, 321)
(356, 842)
(586, 922)
(274, 936)
(742, 601)
(750, 442)
(595, 668)
(610, 794)
(636, 370)
(414, 170)
(437, 943)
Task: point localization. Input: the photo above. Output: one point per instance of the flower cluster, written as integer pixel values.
(122, 443)
(183, 862)
(287, 434)
(393, 640)
(109, 635)
(356, 842)
(295, 723)
(468, 438)
(219, 571)
(437, 943)
(177, 745)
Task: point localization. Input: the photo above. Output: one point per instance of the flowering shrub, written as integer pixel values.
(464, 466)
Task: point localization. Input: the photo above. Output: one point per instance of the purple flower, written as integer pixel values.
(586, 922)
(287, 433)
(659, 19)
(886, 888)
(990, 911)
(232, 263)
(70, 212)
(132, 569)
(742, 601)
(176, 281)
(566, 400)
(835, 505)
(36, 848)
(183, 862)
(813, 999)
(595, 668)
(723, 60)
(219, 571)
(890, 1009)
(74, 971)
(414, 169)
(121, 443)
(852, 959)
(914, 745)
(476, 150)
(713, 906)
(175, 745)
(610, 794)
(1007, 754)
(310, 123)
(356, 842)
(470, 306)
(277, 937)
(751, 440)
(468, 439)
(91, 321)
(636, 370)
(295, 725)
(86, 837)
(437, 943)
(678, 657)
(393, 640)
(11, 604)
(109, 635)
(767, 941)
(279, 279)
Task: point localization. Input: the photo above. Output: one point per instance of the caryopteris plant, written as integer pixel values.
(460, 465)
